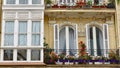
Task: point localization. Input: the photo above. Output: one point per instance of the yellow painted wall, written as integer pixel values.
(49, 32)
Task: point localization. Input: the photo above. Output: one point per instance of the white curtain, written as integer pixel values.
(9, 40)
(22, 27)
(22, 39)
(36, 33)
(9, 27)
(9, 33)
(36, 27)
(35, 54)
(23, 1)
(35, 39)
(22, 33)
(10, 1)
(72, 45)
(62, 41)
(36, 1)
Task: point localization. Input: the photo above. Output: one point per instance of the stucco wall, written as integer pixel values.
(49, 32)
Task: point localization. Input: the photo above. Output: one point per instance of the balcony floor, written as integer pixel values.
(80, 10)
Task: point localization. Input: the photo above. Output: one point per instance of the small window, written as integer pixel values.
(23, 1)
(35, 54)
(36, 1)
(21, 55)
(8, 55)
(10, 1)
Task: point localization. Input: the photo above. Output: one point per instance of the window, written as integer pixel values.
(9, 33)
(35, 33)
(35, 54)
(23, 1)
(36, 1)
(22, 33)
(21, 55)
(8, 55)
(10, 1)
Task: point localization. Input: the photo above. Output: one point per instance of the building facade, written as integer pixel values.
(64, 23)
(22, 30)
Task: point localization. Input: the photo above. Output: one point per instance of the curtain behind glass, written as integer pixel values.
(9, 27)
(35, 39)
(22, 33)
(36, 27)
(23, 1)
(62, 41)
(9, 40)
(99, 38)
(35, 33)
(10, 1)
(22, 39)
(22, 27)
(91, 42)
(36, 1)
(72, 45)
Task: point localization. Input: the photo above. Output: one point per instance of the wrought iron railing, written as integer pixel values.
(79, 4)
(80, 56)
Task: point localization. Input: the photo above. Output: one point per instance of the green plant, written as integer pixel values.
(48, 1)
(89, 2)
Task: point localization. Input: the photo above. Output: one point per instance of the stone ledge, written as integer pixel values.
(86, 65)
(22, 64)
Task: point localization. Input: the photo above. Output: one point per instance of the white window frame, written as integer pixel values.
(67, 38)
(94, 39)
(28, 47)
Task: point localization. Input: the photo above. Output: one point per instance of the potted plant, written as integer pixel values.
(48, 3)
(111, 4)
(89, 4)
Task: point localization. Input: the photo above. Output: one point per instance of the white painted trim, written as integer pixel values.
(76, 30)
(67, 39)
(16, 26)
(94, 40)
(87, 38)
(28, 54)
(15, 55)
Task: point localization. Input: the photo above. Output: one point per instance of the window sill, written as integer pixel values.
(22, 64)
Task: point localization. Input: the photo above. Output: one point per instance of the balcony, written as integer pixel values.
(79, 5)
(51, 56)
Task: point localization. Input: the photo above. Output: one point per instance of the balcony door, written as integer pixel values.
(67, 40)
(97, 40)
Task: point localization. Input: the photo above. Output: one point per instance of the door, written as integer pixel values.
(66, 40)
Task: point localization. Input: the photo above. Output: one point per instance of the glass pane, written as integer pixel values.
(22, 39)
(23, 27)
(10, 1)
(21, 55)
(36, 27)
(8, 55)
(35, 39)
(9, 27)
(35, 54)
(36, 1)
(23, 1)
(9, 39)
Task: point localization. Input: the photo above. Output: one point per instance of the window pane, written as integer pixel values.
(9, 27)
(35, 39)
(9, 39)
(22, 39)
(21, 55)
(23, 1)
(22, 27)
(36, 27)
(36, 1)
(8, 54)
(35, 54)
(10, 1)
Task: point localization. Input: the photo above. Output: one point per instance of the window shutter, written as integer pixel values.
(88, 38)
(56, 38)
(105, 39)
